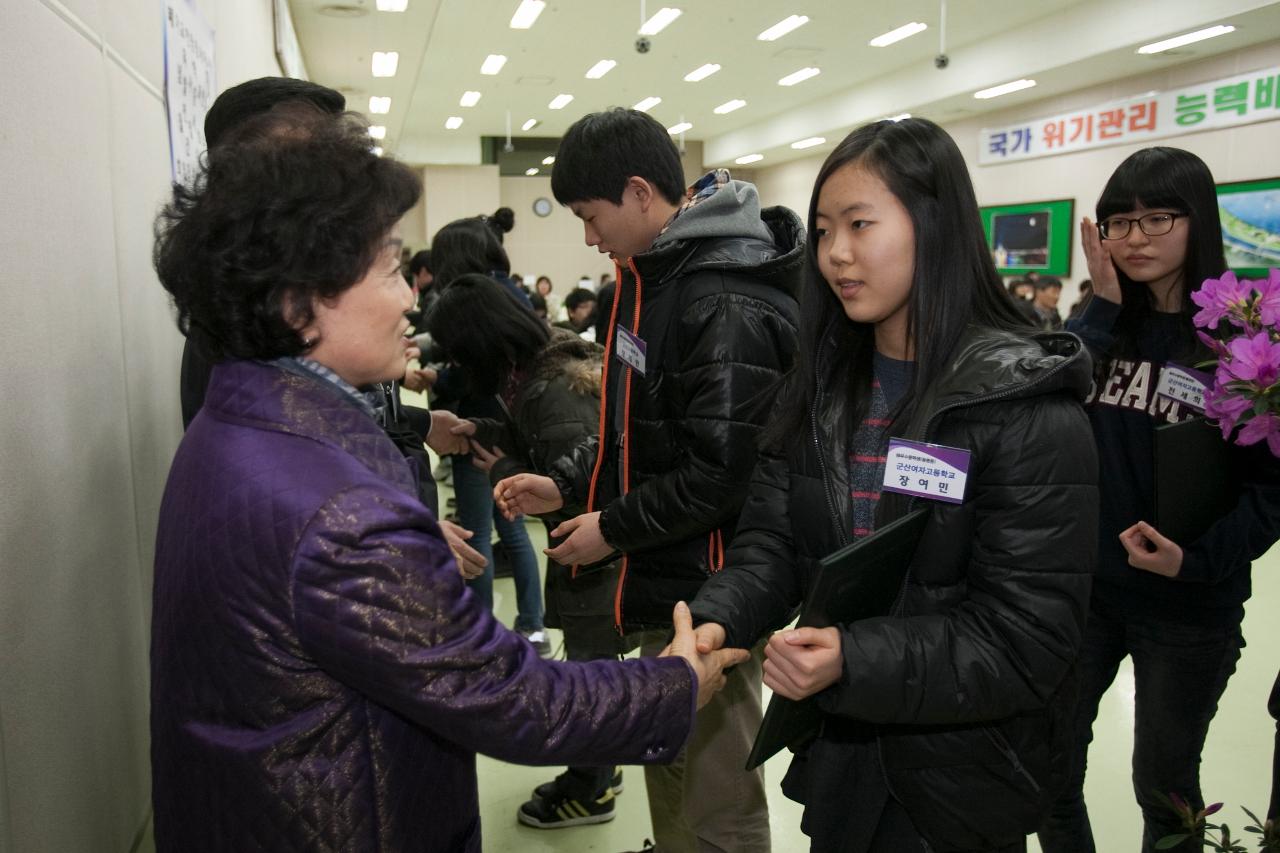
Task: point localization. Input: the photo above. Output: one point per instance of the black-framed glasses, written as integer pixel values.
(1153, 225)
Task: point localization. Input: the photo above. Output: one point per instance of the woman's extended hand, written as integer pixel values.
(1097, 255)
(1165, 560)
(471, 562)
(708, 666)
(803, 661)
(527, 494)
(482, 457)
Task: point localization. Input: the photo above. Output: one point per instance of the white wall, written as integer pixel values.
(90, 420)
(1233, 154)
(553, 245)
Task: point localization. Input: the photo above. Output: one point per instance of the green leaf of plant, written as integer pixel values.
(1171, 841)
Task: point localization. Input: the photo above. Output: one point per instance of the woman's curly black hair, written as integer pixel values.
(293, 206)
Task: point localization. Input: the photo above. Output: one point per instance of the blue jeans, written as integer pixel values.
(1180, 672)
(478, 513)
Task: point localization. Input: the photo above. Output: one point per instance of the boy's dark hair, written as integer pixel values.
(578, 296)
(1047, 282)
(483, 328)
(253, 97)
(291, 207)
(601, 151)
(465, 246)
(421, 261)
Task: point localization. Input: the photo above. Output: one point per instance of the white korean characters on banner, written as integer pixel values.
(189, 85)
(1243, 99)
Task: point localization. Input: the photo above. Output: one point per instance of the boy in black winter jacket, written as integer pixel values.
(702, 328)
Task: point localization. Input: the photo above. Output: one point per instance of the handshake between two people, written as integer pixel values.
(708, 665)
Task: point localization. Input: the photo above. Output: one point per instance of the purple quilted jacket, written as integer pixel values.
(320, 676)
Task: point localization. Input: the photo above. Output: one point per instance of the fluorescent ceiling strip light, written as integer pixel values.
(559, 102)
(492, 64)
(600, 69)
(377, 150)
(898, 117)
(729, 106)
(379, 106)
(527, 13)
(679, 128)
(783, 27)
(1189, 38)
(749, 158)
(808, 143)
(529, 124)
(384, 63)
(1004, 89)
(531, 172)
(701, 73)
(453, 122)
(469, 99)
(659, 21)
(647, 104)
(799, 76)
(547, 161)
(902, 32)
(378, 131)
(392, 5)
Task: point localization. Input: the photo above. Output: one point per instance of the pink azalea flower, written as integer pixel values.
(1219, 299)
(1215, 346)
(1254, 358)
(1263, 426)
(1226, 408)
(1268, 302)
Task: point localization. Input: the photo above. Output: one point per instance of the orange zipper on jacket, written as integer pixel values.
(626, 428)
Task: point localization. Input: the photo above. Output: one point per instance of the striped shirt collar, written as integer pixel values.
(315, 368)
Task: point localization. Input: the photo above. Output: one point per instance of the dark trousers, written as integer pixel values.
(584, 783)
(1180, 672)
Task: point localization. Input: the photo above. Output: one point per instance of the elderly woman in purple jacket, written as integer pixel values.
(321, 677)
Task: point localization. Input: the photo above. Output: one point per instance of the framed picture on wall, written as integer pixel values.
(1031, 237)
(1250, 213)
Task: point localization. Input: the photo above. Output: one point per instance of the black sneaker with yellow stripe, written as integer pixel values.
(562, 810)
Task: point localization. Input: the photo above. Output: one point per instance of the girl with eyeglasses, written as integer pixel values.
(1174, 607)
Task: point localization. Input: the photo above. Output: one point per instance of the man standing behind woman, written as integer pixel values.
(702, 327)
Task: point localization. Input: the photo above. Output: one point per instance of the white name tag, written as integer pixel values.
(630, 349)
(926, 470)
(1185, 385)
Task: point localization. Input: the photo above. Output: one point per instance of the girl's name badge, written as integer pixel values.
(926, 470)
(630, 349)
(1184, 385)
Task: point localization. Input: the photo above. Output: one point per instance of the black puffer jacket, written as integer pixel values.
(969, 686)
(715, 307)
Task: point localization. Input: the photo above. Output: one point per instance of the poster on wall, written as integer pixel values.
(1250, 213)
(1243, 99)
(189, 85)
(1031, 237)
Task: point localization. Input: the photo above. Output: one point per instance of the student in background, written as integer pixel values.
(945, 720)
(580, 305)
(1048, 290)
(1175, 608)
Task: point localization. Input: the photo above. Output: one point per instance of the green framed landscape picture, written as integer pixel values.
(1031, 237)
(1250, 212)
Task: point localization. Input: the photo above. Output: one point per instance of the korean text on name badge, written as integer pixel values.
(1184, 385)
(926, 470)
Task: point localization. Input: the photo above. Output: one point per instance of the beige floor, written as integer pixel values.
(1236, 766)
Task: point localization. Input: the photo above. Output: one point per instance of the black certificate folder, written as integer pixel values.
(859, 581)
(1196, 481)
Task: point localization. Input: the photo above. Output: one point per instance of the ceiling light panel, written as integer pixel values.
(377, 150)
(1004, 89)
(559, 102)
(526, 13)
(902, 32)
(492, 64)
(385, 63)
(702, 72)
(647, 104)
(729, 106)
(531, 172)
(529, 124)
(469, 99)
(783, 27)
(600, 69)
(379, 106)
(392, 5)
(378, 131)
(453, 122)
(547, 161)
(1189, 38)
(748, 159)
(808, 143)
(659, 21)
(799, 76)
(682, 127)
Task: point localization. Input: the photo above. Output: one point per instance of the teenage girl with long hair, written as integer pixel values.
(943, 720)
(1175, 608)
